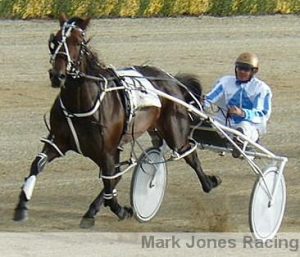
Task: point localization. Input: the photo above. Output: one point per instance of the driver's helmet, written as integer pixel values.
(247, 59)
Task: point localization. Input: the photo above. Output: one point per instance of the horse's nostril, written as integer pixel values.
(50, 74)
(62, 77)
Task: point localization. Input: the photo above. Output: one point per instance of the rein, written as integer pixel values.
(72, 70)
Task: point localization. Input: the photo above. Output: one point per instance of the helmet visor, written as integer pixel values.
(243, 67)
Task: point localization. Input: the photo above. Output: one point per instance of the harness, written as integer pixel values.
(71, 65)
(126, 99)
(69, 117)
(74, 72)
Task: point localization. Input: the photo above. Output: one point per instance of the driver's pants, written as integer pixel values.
(249, 129)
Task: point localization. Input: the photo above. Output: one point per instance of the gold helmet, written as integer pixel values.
(248, 59)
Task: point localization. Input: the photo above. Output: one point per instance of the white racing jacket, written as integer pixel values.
(254, 97)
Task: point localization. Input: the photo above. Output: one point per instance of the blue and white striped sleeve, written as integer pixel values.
(215, 95)
(262, 108)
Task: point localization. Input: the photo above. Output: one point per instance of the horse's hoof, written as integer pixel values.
(129, 211)
(20, 215)
(214, 181)
(125, 213)
(87, 223)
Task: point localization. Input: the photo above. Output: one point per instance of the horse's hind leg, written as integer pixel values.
(207, 182)
(156, 139)
(175, 130)
(48, 154)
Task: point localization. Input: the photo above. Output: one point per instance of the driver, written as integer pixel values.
(244, 101)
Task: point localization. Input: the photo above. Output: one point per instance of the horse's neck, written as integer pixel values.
(79, 95)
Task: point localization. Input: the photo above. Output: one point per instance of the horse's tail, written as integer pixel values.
(191, 85)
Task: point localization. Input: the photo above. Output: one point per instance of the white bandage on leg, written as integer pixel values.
(110, 196)
(29, 186)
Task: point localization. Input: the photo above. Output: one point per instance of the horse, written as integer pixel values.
(89, 117)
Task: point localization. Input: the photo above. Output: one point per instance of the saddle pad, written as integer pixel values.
(139, 98)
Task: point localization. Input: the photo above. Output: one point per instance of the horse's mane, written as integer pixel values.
(94, 63)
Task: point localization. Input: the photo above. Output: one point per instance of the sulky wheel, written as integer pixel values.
(148, 184)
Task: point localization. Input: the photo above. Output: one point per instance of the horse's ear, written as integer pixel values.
(85, 23)
(62, 19)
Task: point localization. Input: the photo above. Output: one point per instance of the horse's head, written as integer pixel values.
(66, 49)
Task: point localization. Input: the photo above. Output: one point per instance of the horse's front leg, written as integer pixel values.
(88, 219)
(48, 154)
(110, 192)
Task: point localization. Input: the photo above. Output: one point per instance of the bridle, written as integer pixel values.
(63, 49)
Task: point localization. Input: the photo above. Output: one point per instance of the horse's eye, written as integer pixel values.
(52, 46)
(52, 43)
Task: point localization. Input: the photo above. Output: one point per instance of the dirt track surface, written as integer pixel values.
(204, 46)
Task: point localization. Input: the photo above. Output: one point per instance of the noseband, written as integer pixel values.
(72, 66)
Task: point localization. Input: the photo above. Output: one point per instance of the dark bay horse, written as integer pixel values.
(89, 117)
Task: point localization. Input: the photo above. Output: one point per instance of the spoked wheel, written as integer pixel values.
(266, 215)
(148, 184)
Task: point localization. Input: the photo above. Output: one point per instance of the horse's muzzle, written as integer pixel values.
(57, 79)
